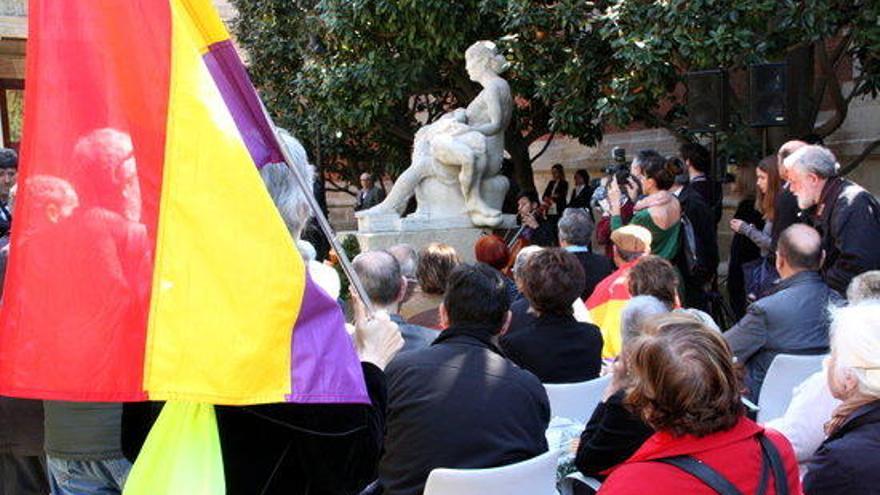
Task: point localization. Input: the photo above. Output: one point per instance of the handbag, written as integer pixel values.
(759, 277)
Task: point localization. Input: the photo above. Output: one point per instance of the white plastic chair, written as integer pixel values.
(576, 401)
(568, 484)
(786, 372)
(536, 476)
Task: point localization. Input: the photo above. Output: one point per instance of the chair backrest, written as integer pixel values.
(576, 401)
(536, 476)
(786, 372)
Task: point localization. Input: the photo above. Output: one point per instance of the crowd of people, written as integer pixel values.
(619, 283)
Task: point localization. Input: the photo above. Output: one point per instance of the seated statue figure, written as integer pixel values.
(456, 160)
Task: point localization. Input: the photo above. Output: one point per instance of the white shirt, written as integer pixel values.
(803, 423)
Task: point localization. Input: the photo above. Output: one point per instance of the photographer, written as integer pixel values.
(618, 173)
(659, 211)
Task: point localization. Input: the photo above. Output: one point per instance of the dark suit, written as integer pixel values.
(702, 186)
(368, 198)
(558, 196)
(596, 268)
(582, 199)
(459, 404)
(557, 349)
(706, 240)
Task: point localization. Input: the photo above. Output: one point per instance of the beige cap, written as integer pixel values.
(632, 238)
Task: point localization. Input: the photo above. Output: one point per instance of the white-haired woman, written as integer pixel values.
(847, 461)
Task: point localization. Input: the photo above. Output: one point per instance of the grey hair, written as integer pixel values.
(408, 257)
(281, 183)
(864, 286)
(814, 159)
(636, 313)
(380, 274)
(575, 227)
(523, 256)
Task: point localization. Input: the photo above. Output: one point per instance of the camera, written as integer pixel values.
(620, 168)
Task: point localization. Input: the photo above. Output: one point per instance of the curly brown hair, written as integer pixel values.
(436, 261)
(551, 280)
(654, 276)
(683, 379)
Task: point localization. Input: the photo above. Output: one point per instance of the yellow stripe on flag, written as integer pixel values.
(209, 28)
(228, 281)
(607, 317)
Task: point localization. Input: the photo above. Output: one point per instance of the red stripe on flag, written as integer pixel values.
(76, 303)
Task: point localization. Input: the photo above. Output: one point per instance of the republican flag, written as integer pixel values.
(606, 304)
(147, 260)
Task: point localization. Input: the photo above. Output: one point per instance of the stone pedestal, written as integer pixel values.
(384, 231)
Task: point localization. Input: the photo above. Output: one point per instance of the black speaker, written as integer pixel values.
(768, 95)
(707, 100)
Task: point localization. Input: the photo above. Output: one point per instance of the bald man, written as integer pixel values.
(793, 318)
(785, 206)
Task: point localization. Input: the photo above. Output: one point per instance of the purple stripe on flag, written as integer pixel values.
(244, 104)
(324, 365)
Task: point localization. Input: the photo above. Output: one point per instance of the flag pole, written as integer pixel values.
(308, 192)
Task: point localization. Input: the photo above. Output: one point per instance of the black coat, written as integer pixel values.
(459, 404)
(319, 449)
(848, 218)
(581, 200)
(706, 239)
(701, 186)
(596, 268)
(846, 463)
(560, 197)
(785, 213)
(742, 250)
(612, 435)
(557, 349)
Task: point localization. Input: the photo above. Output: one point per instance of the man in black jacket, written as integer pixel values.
(697, 161)
(846, 215)
(460, 403)
(698, 281)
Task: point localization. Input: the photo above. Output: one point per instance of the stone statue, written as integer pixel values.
(456, 160)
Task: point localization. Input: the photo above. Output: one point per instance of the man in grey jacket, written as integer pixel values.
(387, 288)
(793, 319)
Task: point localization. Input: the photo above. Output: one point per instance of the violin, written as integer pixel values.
(518, 242)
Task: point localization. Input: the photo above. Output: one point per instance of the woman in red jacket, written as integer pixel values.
(683, 383)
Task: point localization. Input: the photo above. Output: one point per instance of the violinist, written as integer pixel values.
(537, 229)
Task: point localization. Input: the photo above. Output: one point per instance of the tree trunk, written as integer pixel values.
(518, 149)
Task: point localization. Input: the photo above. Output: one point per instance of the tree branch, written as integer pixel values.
(835, 92)
(859, 159)
(338, 187)
(399, 132)
(546, 145)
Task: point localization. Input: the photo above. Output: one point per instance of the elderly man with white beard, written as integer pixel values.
(845, 214)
